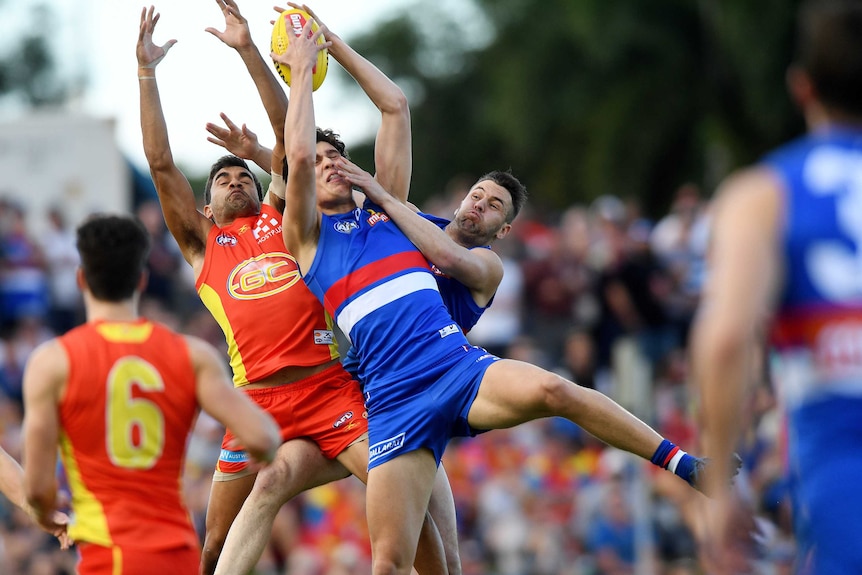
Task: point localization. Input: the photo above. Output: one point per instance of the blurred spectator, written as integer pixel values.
(679, 242)
(501, 323)
(58, 244)
(558, 281)
(632, 333)
(578, 361)
(28, 332)
(23, 278)
(165, 259)
(611, 535)
(443, 205)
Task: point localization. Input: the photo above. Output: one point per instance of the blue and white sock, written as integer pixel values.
(671, 457)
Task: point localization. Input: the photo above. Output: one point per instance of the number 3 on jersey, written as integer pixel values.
(135, 425)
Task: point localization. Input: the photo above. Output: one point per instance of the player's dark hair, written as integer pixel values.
(223, 162)
(829, 49)
(334, 140)
(511, 184)
(114, 250)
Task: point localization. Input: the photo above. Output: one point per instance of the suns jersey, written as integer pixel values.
(252, 287)
(381, 292)
(125, 417)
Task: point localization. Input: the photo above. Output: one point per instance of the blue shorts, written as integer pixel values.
(427, 410)
(826, 453)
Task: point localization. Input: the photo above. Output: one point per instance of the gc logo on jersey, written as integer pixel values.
(263, 276)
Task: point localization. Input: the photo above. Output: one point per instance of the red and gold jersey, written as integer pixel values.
(253, 288)
(125, 417)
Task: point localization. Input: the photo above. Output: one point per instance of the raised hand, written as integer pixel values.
(327, 33)
(361, 179)
(303, 49)
(240, 142)
(236, 33)
(149, 54)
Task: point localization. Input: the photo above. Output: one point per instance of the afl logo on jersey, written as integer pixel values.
(263, 276)
(224, 239)
(345, 227)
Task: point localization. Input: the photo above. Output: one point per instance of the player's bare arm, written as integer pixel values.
(44, 382)
(393, 156)
(12, 486)
(239, 141)
(255, 429)
(188, 226)
(238, 36)
(301, 230)
(480, 270)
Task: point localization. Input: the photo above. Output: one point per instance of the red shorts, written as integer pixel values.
(98, 560)
(327, 408)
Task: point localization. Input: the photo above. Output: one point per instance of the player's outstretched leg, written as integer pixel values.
(514, 392)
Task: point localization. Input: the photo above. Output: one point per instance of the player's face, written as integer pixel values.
(330, 186)
(233, 194)
(481, 217)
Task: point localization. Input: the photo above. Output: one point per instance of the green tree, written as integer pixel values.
(28, 70)
(585, 97)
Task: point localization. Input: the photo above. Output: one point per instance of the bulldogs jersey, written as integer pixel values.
(456, 296)
(817, 337)
(383, 295)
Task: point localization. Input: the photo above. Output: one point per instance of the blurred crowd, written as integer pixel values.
(599, 293)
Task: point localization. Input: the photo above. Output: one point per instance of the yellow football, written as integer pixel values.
(289, 25)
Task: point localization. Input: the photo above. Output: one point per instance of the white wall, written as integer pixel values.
(60, 159)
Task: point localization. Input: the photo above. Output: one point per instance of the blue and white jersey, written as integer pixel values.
(818, 328)
(456, 296)
(383, 296)
(817, 338)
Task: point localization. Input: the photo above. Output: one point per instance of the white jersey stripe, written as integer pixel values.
(381, 295)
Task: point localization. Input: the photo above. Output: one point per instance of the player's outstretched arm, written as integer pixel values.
(301, 229)
(393, 155)
(254, 428)
(480, 270)
(239, 141)
(238, 36)
(188, 226)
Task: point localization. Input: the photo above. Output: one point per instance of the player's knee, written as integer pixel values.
(213, 544)
(556, 393)
(390, 558)
(389, 565)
